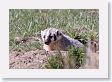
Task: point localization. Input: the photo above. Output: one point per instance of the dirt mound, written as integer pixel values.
(37, 59)
(30, 60)
(27, 60)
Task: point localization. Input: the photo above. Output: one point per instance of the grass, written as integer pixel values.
(55, 62)
(76, 56)
(27, 22)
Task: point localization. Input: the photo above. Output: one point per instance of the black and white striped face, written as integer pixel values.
(50, 35)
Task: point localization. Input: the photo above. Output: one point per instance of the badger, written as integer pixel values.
(53, 39)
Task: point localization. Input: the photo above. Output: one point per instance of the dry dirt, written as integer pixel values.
(37, 59)
(30, 60)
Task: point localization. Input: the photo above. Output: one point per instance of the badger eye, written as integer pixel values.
(50, 36)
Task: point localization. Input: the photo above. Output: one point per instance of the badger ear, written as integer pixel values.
(59, 33)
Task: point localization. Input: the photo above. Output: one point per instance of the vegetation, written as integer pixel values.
(26, 22)
(55, 62)
(76, 56)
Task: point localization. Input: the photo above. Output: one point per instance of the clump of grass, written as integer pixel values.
(93, 36)
(76, 56)
(55, 62)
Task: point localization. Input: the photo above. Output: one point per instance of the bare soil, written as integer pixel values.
(30, 60)
(37, 59)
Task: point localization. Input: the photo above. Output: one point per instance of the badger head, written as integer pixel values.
(50, 35)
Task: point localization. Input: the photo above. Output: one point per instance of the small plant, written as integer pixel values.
(54, 62)
(76, 59)
(76, 56)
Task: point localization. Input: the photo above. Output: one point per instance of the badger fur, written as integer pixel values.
(54, 39)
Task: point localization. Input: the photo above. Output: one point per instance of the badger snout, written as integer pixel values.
(47, 42)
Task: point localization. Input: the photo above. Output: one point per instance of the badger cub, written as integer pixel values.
(54, 39)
